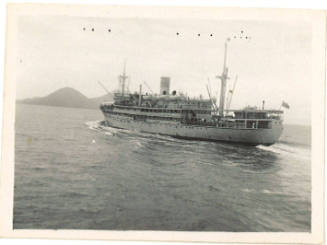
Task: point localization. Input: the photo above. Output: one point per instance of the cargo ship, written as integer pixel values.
(175, 114)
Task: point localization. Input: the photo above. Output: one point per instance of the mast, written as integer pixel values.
(223, 77)
(140, 95)
(122, 79)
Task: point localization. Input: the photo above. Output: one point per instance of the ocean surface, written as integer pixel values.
(73, 173)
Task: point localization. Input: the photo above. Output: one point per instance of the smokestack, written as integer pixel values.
(164, 85)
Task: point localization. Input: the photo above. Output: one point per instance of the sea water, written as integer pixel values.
(71, 172)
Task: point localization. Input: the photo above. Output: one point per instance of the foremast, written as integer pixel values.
(122, 80)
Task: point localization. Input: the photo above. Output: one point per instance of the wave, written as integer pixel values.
(295, 143)
(100, 127)
(287, 149)
(263, 191)
(280, 148)
(94, 125)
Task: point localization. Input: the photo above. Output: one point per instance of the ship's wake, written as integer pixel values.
(100, 126)
(280, 148)
(283, 148)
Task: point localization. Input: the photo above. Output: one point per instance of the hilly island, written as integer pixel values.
(68, 97)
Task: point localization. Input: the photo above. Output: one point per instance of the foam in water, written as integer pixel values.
(281, 148)
(98, 126)
(93, 125)
(285, 149)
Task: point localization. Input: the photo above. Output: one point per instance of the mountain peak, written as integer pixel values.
(66, 92)
(65, 97)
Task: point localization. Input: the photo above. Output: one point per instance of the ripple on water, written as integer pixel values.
(108, 178)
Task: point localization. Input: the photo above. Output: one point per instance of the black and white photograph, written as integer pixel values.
(165, 119)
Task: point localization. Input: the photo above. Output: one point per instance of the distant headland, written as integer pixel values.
(68, 97)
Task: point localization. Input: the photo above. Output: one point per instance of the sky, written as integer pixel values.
(274, 64)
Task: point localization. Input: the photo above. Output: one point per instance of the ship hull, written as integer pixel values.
(251, 136)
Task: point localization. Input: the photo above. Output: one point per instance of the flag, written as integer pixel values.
(285, 105)
(231, 91)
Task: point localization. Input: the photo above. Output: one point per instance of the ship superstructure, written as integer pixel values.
(177, 115)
